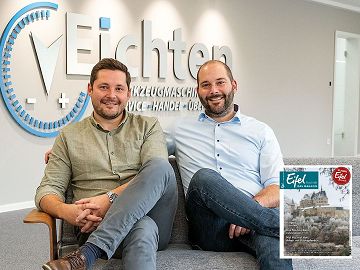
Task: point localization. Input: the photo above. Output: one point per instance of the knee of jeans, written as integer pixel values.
(157, 161)
(203, 178)
(163, 166)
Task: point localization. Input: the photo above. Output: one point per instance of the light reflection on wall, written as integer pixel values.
(212, 29)
(165, 18)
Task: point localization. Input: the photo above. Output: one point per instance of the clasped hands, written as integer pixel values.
(89, 212)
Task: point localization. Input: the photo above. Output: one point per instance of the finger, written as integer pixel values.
(87, 226)
(82, 201)
(231, 231)
(244, 231)
(47, 156)
(93, 218)
(93, 228)
(91, 206)
(83, 215)
(81, 222)
(238, 231)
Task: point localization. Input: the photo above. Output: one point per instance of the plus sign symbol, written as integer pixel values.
(63, 100)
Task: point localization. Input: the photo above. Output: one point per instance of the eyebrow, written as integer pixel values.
(117, 85)
(218, 79)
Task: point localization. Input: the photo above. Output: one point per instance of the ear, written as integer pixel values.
(89, 89)
(234, 85)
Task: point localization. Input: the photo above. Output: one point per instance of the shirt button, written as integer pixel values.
(114, 171)
(218, 140)
(218, 154)
(112, 153)
(218, 125)
(220, 168)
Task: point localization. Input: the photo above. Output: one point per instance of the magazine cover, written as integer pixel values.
(315, 211)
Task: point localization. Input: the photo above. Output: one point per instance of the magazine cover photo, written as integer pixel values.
(315, 211)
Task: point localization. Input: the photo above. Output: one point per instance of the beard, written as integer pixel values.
(109, 114)
(217, 110)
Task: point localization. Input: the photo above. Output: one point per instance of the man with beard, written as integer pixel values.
(230, 165)
(116, 164)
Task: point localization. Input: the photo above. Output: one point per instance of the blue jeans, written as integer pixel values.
(139, 222)
(212, 204)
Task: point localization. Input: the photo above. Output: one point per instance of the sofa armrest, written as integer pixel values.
(36, 216)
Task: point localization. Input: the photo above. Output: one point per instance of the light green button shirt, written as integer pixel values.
(94, 161)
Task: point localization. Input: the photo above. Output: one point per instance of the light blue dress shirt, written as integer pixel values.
(243, 150)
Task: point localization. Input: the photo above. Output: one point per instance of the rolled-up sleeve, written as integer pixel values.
(57, 172)
(271, 160)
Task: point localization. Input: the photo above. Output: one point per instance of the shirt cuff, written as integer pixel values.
(43, 193)
(272, 181)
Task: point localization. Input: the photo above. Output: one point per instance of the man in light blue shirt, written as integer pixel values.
(230, 165)
(243, 150)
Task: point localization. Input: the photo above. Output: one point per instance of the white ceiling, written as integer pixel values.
(353, 5)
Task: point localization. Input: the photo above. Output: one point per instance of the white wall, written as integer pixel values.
(283, 57)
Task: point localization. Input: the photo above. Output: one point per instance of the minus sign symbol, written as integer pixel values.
(31, 100)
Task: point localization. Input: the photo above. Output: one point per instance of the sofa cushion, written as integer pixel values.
(181, 257)
(180, 230)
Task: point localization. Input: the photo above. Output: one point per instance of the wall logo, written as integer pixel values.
(32, 102)
(20, 107)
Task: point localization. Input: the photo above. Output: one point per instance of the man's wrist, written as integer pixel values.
(112, 196)
(62, 210)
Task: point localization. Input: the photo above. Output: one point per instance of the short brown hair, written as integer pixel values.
(112, 64)
(228, 70)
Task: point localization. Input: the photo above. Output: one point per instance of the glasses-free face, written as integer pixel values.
(216, 90)
(109, 94)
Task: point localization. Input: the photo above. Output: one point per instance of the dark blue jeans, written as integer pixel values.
(212, 204)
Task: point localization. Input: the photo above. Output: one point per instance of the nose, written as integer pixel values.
(213, 89)
(111, 92)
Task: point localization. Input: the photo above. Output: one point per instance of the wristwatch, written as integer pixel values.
(112, 196)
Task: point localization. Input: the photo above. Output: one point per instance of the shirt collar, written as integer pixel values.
(236, 119)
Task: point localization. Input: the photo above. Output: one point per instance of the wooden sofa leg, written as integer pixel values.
(36, 216)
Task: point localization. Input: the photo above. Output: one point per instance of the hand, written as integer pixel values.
(53, 205)
(88, 218)
(236, 231)
(89, 226)
(71, 213)
(102, 201)
(47, 156)
(268, 197)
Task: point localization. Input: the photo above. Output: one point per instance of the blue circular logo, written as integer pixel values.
(16, 105)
